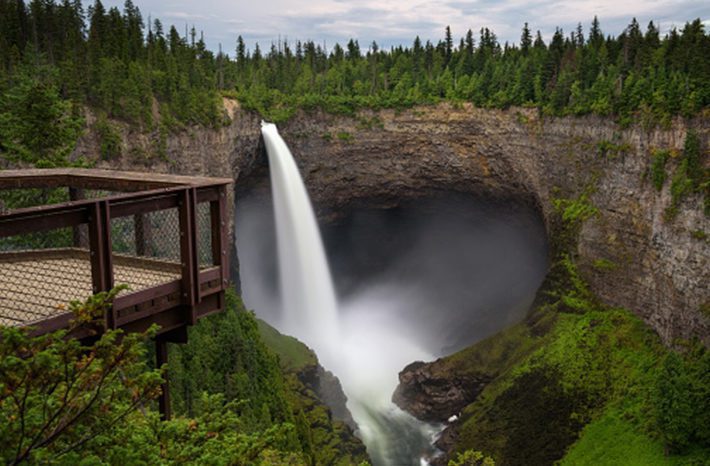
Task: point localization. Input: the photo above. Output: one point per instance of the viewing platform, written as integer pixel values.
(66, 234)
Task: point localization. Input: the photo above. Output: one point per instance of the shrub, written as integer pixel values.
(110, 146)
(658, 168)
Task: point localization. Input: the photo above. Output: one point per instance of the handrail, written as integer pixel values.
(89, 178)
(159, 192)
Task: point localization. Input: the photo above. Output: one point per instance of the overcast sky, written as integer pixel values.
(394, 22)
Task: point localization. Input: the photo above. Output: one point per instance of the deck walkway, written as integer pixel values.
(51, 279)
(164, 236)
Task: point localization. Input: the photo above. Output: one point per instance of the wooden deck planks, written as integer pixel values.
(39, 288)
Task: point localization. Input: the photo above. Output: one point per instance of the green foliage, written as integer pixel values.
(690, 176)
(613, 439)
(58, 395)
(37, 126)
(659, 418)
(160, 143)
(594, 366)
(68, 402)
(571, 215)
(674, 408)
(705, 309)
(681, 395)
(605, 264)
(699, 235)
(293, 355)
(217, 436)
(610, 150)
(575, 211)
(226, 355)
(570, 291)
(658, 168)
(344, 136)
(109, 139)
(106, 60)
(472, 458)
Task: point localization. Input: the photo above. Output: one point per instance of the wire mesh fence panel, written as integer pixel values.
(11, 199)
(66, 252)
(96, 193)
(163, 235)
(50, 239)
(40, 274)
(204, 235)
(146, 249)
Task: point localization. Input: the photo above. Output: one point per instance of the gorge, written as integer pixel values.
(378, 158)
(388, 161)
(514, 207)
(417, 281)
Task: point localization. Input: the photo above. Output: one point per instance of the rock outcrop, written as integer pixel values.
(658, 266)
(431, 395)
(329, 391)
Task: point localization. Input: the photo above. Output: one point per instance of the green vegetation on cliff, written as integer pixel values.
(248, 363)
(68, 402)
(690, 176)
(62, 57)
(585, 384)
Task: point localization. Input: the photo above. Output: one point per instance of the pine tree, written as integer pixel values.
(449, 44)
(525, 40)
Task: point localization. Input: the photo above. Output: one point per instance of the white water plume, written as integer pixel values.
(363, 350)
(306, 285)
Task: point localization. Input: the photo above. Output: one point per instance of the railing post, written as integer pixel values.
(100, 252)
(188, 253)
(143, 234)
(218, 216)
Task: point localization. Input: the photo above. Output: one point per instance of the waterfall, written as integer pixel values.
(366, 350)
(306, 285)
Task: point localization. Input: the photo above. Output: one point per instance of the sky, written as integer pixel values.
(398, 22)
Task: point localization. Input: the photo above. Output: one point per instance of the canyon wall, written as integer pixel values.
(631, 255)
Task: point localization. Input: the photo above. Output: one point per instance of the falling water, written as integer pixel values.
(306, 284)
(363, 351)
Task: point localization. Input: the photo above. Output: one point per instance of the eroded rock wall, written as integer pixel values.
(654, 267)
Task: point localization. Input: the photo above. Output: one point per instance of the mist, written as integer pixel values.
(414, 282)
(446, 270)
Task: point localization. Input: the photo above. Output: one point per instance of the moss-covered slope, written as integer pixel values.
(233, 354)
(582, 384)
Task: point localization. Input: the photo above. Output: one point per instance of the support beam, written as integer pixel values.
(188, 253)
(220, 253)
(143, 233)
(161, 356)
(101, 255)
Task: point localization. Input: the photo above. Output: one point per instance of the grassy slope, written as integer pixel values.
(564, 369)
(293, 355)
(234, 354)
(331, 441)
(611, 439)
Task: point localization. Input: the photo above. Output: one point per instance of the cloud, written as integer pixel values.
(397, 22)
(184, 15)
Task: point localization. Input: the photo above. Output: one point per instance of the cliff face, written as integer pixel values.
(656, 268)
